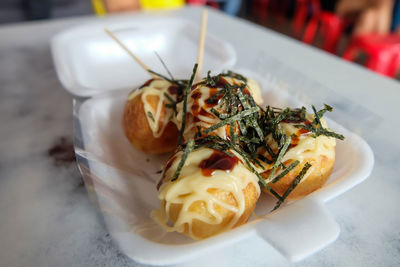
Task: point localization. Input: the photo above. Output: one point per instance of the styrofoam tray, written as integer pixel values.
(89, 62)
(122, 182)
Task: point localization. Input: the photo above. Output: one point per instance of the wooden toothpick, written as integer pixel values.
(200, 53)
(141, 63)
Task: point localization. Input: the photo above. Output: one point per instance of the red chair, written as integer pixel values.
(259, 9)
(331, 29)
(203, 2)
(278, 8)
(383, 52)
(302, 10)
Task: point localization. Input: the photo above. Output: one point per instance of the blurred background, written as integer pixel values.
(363, 31)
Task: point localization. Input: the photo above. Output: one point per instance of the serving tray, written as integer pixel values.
(122, 181)
(89, 62)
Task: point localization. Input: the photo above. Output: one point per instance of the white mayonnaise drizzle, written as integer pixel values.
(307, 147)
(157, 88)
(210, 118)
(193, 186)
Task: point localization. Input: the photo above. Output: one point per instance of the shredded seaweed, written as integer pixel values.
(286, 171)
(164, 65)
(230, 120)
(188, 148)
(185, 97)
(279, 158)
(293, 185)
(172, 104)
(249, 127)
(321, 131)
(150, 115)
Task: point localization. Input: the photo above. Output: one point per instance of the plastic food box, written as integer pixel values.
(89, 62)
(122, 181)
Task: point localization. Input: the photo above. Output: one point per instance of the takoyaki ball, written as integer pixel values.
(213, 193)
(147, 122)
(317, 151)
(204, 102)
(314, 179)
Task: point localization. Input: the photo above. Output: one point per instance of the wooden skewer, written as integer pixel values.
(200, 53)
(141, 63)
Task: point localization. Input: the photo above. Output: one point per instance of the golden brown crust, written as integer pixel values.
(138, 131)
(321, 170)
(202, 229)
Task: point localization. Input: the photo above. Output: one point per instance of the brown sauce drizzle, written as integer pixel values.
(159, 184)
(174, 90)
(196, 119)
(217, 161)
(195, 107)
(147, 83)
(169, 164)
(197, 110)
(204, 113)
(246, 91)
(196, 95)
(301, 131)
(213, 91)
(295, 140)
(221, 83)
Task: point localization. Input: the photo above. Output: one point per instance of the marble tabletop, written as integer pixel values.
(47, 219)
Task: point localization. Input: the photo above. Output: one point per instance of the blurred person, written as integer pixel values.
(37, 9)
(396, 17)
(372, 16)
(113, 6)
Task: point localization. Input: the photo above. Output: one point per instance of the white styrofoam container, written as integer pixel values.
(89, 62)
(121, 180)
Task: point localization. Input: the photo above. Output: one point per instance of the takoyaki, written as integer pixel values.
(148, 115)
(213, 193)
(305, 147)
(209, 101)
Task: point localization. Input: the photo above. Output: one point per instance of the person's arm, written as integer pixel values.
(114, 6)
(373, 16)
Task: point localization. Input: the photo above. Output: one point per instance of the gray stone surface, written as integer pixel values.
(47, 219)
